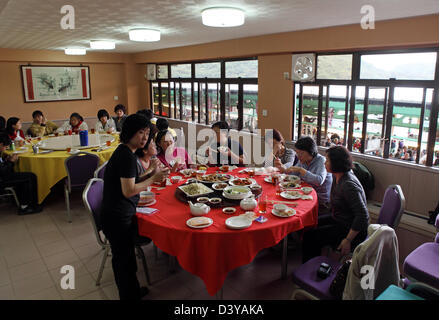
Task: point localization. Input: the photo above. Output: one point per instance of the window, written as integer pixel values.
(373, 114)
(207, 92)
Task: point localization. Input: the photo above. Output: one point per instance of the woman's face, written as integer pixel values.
(74, 121)
(166, 141)
(303, 156)
(119, 113)
(152, 150)
(17, 126)
(140, 138)
(221, 135)
(103, 119)
(328, 164)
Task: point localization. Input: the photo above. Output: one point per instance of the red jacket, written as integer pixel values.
(14, 135)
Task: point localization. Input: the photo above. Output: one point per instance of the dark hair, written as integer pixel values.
(307, 144)
(4, 139)
(2, 123)
(103, 113)
(77, 116)
(162, 124)
(221, 125)
(36, 113)
(131, 125)
(11, 121)
(139, 152)
(120, 107)
(278, 136)
(159, 137)
(341, 159)
(147, 113)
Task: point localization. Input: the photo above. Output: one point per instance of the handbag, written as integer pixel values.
(339, 282)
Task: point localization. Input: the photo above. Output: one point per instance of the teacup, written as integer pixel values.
(306, 190)
(146, 196)
(279, 207)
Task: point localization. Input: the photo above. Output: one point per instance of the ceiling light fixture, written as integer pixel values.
(144, 35)
(223, 17)
(75, 51)
(102, 45)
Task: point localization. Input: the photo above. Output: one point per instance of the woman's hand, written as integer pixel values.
(161, 174)
(298, 170)
(344, 247)
(153, 165)
(278, 164)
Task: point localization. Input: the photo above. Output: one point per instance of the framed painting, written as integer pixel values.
(55, 83)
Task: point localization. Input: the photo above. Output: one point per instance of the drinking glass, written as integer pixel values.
(108, 142)
(263, 204)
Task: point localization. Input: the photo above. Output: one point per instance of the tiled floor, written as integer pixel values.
(33, 248)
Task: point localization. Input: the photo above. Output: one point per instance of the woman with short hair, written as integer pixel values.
(175, 158)
(75, 124)
(311, 169)
(105, 123)
(13, 129)
(286, 157)
(347, 226)
(120, 117)
(122, 186)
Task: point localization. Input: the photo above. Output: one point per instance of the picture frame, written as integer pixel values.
(55, 83)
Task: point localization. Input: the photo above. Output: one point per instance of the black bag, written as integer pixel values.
(433, 215)
(339, 282)
(365, 177)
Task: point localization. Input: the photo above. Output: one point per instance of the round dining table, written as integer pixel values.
(49, 167)
(212, 252)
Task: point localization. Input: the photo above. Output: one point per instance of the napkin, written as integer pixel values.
(306, 197)
(147, 211)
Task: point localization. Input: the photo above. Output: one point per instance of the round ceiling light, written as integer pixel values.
(102, 45)
(223, 17)
(75, 51)
(144, 35)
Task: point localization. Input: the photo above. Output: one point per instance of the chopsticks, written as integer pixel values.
(284, 202)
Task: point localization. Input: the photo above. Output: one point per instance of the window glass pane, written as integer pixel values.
(337, 67)
(310, 111)
(213, 102)
(424, 133)
(172, 92)
(196, 101)
(155, 98)
(162, 72)
(336, 115)
(202, 103)
(358, 118)
(401, 66)
(375, 122)
(232, 105)
(250, 100)
(177, 96)
(324, 133)
(242, 69)
(165, 99)
(208, 70)
(186, 101)
(181, 71)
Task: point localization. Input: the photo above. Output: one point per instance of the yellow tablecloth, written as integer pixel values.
(49, 168)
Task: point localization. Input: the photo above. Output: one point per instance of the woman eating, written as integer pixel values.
(175, 158)
(75, 124)
(13, 129)
(105, 123)
(347, 226)
(147, 160)
(280, 152)
(121, 195)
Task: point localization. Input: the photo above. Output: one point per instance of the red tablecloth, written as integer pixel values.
(212, 252)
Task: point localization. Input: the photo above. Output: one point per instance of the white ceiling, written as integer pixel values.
(35, 24)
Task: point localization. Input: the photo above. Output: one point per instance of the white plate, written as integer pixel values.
(215, 185)
(188, 222)
(277, 214)
(147, 204)
(238, 223)
(74, 151)
(253, 181)
(288, 196)
(19, 151)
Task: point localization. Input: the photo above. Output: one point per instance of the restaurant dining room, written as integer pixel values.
(222, 156)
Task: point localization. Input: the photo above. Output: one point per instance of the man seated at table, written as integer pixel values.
(41, 126)
(24, 183)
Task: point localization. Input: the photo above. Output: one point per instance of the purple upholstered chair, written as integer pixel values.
(99, 173)
(305, 277)
(422, 264)
(80, 168)
(92, 197)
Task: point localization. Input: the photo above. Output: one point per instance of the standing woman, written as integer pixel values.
(121, 195)
(13, 128)
(347, 226)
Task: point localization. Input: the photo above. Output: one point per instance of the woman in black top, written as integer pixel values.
(347, 226)
(121, 194)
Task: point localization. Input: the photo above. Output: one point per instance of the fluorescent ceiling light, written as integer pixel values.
(223, 17)
(75, 51)
(102, 45)
(147, 35)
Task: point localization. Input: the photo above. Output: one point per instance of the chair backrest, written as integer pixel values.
(99, 173)
(437, 228)
(80, 168)
(92, 197)
(393, 206)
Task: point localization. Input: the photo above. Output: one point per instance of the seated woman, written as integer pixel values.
(76, 124)
(224, 150)
(347, 226)
(105, 123)
(162, 124)
(173, 157)
(286, 155)
(120, 117)
(311, 169)
(13, 129)
(147, 160)
(2, 123)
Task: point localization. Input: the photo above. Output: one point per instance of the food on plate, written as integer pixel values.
(306, 190)
(215, 177)
(215, 200)
(199, 221)
(195, 189)
(287, 213)
(242, 182)
(293, 193)
(229, 210)
(279, 207)
(220, 186)
(224, 168)
(204, 168)
(186, 172)
(250, 215)
(289, 185)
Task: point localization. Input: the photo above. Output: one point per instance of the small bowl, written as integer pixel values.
(229, 210)
(215, 200)
(306, 190)
(146, 196)
(175, 179)
(279, 207)
(220, 186)
(203, 199)
(255, 187)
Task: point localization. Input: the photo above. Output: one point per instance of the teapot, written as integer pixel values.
(199, 209)
(248, 204)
